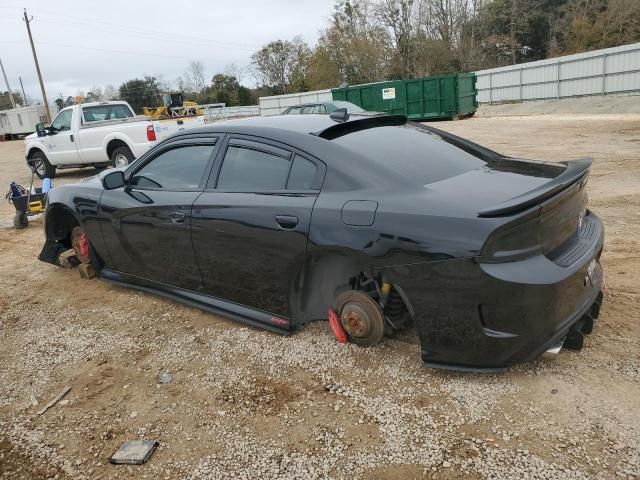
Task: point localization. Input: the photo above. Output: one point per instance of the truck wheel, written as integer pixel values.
(121, 157)
(41, 166)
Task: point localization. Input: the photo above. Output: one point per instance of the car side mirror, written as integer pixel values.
(41, 130)
(113, 180)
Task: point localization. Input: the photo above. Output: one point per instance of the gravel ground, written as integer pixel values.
(248, 404)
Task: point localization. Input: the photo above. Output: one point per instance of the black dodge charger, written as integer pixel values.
(386, 223)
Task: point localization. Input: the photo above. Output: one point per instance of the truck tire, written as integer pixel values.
(41, 166)
(121, 157)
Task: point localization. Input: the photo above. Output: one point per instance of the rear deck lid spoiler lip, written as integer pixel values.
(356, 123)
(575, 171)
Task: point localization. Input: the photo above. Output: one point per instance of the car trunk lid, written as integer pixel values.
(546, 219)
(574, 171)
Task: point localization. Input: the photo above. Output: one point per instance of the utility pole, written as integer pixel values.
(24, 95)
(35, 59)
(13, 102)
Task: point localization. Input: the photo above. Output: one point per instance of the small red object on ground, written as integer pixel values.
(336, 327)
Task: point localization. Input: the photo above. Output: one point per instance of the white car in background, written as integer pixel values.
(97, 134)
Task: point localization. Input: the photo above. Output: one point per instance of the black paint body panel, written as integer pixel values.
(278, 259)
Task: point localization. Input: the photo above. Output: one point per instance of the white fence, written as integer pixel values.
(213, 114)
(600, 72)
(276, 104)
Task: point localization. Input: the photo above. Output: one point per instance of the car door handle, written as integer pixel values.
(71, 137)
(177, 217)
(287, 222)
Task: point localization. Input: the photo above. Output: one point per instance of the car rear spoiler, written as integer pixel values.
(360, 123)
(576, 171)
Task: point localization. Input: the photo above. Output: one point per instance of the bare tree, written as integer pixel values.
(109, 93)
(164, 84)
(400, 17)
(233, 70)
(194, 77)
(95, 94)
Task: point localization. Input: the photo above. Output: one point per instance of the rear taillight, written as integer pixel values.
(151, 134)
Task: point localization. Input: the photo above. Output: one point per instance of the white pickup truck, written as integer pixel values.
(97, 134)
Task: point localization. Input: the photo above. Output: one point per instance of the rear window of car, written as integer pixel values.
(412, 151)
(106, 112)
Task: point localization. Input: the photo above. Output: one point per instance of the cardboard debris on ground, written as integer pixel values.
(134, 452)
(68, 259)
(60, 396)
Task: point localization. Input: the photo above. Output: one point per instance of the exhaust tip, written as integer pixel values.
(552, 353)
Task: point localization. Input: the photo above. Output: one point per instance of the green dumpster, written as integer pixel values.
(439, 96)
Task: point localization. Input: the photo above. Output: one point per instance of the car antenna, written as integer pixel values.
(339, 115)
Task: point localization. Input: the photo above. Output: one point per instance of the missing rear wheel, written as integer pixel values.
(361, 317)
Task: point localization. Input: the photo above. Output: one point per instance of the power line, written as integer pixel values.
(55, 44)
(76, 21)
(120, 26)
(147, 36)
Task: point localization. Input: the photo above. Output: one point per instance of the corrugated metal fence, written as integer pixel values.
(276, 104)
(600, 72)
(214, 114)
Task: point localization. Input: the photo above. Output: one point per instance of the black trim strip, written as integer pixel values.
(241, 313)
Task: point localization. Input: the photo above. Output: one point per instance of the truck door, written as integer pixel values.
(61, 145)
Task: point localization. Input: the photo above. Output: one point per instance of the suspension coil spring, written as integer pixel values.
(394, 306)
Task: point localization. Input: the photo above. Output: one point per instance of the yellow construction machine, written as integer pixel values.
(173, 105)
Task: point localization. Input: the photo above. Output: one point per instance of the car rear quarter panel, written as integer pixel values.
(402, 233)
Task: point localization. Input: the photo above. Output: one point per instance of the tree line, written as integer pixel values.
(373, 40)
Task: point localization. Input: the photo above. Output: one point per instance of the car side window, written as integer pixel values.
(294, 111)
(323, 109)
(310, 109)
(303, 172)
(63, 120)
(178, 169)
(246, 169)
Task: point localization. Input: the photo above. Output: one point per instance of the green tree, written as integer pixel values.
(141, 93)
(246, 96)
(282, 65)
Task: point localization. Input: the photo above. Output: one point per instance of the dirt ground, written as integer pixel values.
(248, 404)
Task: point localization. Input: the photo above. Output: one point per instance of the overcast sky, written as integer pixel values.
(85, 43)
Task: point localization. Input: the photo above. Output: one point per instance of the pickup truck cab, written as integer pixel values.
(97, 134)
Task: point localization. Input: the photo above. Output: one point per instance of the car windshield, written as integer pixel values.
(411, 151)
(351, 107)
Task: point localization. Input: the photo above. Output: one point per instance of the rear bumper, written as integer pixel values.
(475, 316)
